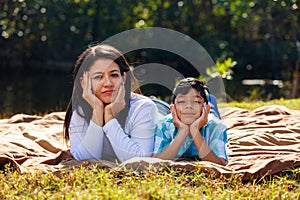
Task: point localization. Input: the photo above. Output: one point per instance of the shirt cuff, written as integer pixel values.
(112, 124)
(94, 125)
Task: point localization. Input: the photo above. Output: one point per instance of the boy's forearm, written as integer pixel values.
(203, 149)
(170, 152)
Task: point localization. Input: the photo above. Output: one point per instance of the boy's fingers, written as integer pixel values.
(206, 108)
(171, 107)
(174, 116)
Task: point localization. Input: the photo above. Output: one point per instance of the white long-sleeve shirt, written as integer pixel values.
(111, 142)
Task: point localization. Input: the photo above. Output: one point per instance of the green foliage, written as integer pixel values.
(222, 27)
(255, 94)
(260, 34)
(222, 69)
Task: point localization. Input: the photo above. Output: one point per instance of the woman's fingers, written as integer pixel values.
(121, 94)
(87, 93)
(118, 103)
(83, 81)
(86, 87)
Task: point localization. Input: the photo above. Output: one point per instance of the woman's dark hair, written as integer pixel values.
(83, 63)
(185, 85)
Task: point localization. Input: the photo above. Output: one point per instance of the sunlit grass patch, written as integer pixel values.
(99, 183)
(289, 103)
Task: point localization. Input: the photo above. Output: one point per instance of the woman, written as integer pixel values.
(104, 118)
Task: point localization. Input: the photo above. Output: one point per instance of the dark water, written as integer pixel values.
(34, 93)
(40, 93)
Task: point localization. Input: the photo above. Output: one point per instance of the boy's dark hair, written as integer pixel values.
(185, 85)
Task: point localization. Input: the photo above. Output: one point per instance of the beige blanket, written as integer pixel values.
(262, 142)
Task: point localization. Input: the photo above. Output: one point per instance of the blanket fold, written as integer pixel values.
(262, 142)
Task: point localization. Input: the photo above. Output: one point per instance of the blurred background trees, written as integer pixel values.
(261, 37)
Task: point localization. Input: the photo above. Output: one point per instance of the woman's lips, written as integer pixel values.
(108, 92)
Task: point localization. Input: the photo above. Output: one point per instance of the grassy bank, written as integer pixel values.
(289, 103)
(108, 184)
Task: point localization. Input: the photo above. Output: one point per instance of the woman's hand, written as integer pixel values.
(202, 120)
(89, 96)
(116, 106)
(176, 121)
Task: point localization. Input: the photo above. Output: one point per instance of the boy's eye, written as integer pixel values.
(180, 101)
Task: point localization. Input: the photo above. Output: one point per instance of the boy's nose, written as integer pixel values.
(188, 105)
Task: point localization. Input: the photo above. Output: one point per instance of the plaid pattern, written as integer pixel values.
(214, 133)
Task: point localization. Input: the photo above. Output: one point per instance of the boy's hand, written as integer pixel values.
(176, 121)
(202, 120)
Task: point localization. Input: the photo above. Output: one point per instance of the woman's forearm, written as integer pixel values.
(86, 143)
(128, 146)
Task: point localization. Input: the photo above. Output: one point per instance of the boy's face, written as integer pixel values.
(189, 106)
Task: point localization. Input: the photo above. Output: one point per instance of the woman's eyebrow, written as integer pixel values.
(96, 73)
(114, 70)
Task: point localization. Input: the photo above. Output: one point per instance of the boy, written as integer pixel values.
(190, 131)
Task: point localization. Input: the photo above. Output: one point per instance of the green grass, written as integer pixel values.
(289, 103)
(97, 183)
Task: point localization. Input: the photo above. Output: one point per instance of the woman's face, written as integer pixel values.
(189, 106)
(106, 79)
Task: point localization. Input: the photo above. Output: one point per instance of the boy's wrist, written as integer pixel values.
(184, 130)
(194, 130)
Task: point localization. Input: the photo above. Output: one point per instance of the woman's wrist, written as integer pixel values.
(97, 118)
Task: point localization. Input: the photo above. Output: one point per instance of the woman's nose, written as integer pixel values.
(107, 80)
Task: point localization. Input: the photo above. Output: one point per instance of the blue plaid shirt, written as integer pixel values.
(214, 133)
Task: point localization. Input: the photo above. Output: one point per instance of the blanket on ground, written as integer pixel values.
(262, 142)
